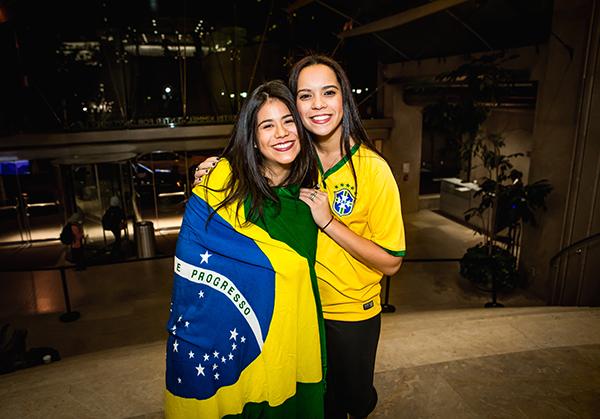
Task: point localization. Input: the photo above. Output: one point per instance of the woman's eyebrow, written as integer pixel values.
(289, 115)
(264, 121)
(328, 86)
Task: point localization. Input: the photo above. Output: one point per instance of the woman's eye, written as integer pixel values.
(329, 93)
(304, 96)
(288, 121)
(266, 126)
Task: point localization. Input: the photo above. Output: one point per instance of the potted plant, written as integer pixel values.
(505, 203)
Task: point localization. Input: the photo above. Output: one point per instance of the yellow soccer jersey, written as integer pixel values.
(350, 290)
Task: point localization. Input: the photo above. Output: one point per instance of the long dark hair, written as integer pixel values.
(352, 126)
(247, 180)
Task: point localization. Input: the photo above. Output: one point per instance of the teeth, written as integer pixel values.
(282, 146)
(320, 118)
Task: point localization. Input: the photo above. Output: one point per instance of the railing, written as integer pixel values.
(70, 315)
(577, 244)
(559, 273)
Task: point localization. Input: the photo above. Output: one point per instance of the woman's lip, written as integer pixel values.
(320, 119)
(285, 146)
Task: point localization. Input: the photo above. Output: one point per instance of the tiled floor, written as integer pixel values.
(440, 355)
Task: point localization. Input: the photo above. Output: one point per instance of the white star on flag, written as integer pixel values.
(230, 356)
(178, 380)
(200, 370)
(179, 319)
(216, 376)
(215, 354)
(187, 324)
(205, 257)
(233, 346)
(242, 339)
(234, 334)
(206, 357)
(191, 354)
(215, 366)
(175, 345)
(223, 360)
(201, 294)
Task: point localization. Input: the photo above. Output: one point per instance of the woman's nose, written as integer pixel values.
(281, 131)
(318, 103)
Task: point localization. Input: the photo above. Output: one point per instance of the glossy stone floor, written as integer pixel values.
(440, 354)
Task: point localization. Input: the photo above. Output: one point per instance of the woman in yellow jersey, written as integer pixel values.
(245, 330)
(362, 237)
(357, 208)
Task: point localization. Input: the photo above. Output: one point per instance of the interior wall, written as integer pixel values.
(555, 138)
(516, 126)
(406, 137)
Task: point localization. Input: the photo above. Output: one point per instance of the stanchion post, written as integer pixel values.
(69, 315)
(494, 303)
(386, 307)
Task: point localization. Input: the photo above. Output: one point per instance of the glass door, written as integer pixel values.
(30, 204)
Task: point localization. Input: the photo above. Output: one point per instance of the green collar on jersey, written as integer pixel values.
(339, 164)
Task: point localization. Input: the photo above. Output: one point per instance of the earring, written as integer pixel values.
(255, 145)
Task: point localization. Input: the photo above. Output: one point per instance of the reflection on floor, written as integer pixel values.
(441, 354)
(48, 229)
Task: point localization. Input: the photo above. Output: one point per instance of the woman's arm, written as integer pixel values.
(360, 248)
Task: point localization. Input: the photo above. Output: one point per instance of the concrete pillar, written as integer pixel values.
(556, 136)
(403, 149)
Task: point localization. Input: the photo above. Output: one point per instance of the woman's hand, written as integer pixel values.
(360, 248)
(318, 203)
(204, 168)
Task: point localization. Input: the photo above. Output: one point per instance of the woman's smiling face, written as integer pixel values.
(276, 136)
(319, 100)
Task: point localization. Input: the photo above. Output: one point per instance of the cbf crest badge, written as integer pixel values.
(343, 199)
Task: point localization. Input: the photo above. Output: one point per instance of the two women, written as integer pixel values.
(357, 208)
(246, 329)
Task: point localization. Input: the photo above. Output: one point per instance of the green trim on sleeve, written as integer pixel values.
(395, 252)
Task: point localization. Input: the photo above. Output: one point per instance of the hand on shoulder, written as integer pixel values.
(204, 168)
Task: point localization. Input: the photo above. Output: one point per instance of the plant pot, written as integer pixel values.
(482, 268)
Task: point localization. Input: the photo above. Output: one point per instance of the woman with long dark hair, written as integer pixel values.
(246, 328)
(362, 237)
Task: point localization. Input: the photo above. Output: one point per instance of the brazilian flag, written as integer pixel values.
(246, 329)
